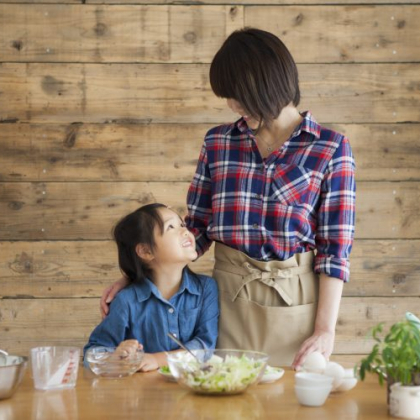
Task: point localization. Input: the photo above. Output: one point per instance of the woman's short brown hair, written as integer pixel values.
(256, 69)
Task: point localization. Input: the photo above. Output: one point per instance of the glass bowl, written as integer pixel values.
(221, 372)
(103, 362)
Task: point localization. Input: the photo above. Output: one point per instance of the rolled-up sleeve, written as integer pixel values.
(206, 330)
(336, 216)
(199, 204)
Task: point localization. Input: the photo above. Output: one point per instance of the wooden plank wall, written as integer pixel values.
(103, 107)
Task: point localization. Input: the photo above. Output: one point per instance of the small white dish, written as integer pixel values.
(271, 374)
(312, 397)
(166, 373)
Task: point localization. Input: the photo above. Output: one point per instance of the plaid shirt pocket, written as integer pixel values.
(292, 184)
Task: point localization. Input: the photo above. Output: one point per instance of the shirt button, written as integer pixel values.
(255, 226)
(171, 310)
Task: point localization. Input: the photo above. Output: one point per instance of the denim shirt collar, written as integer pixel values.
(146, 288)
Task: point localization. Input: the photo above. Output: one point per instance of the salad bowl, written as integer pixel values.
(220, 372)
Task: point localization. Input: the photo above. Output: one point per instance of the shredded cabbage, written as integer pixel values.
(231, 375)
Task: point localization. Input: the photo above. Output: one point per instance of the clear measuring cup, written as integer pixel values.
(55, 367)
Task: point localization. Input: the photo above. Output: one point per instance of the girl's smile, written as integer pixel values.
(187, 243)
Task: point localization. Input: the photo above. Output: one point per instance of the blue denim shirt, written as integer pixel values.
(140, 312)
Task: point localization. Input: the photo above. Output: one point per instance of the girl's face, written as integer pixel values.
(236, 107)
(176, 244)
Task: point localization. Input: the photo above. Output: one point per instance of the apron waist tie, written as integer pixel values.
(250, 273)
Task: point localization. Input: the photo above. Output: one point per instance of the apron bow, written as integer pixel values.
(269, 278)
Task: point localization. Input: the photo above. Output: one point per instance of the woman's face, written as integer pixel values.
(236, 107)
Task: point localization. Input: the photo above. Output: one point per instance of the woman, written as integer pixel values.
(276, 192)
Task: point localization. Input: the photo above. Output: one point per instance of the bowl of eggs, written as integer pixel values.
(318, 377)
(342, 374)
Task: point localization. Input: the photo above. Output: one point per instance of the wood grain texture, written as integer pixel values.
(193, 34)
(78, 210)
(213, 2)
(355, 33)
(79, 269)
(28, 323)
(169, 152)
(146, 93)
(157, 399)
(118, 33)
(87, 210)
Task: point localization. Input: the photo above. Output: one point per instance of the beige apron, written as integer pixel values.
(265, 306)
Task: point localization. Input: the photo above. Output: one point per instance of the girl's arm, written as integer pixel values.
(153, 361)
(113, 329)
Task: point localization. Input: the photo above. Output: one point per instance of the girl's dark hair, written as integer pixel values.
(256, 69)
(137, 228)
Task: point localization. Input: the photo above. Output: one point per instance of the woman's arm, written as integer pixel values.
(109, 294)
(199, 204)
(322, 340)
(334, 239)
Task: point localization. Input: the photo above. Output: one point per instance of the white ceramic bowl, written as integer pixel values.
(346, 385)
(312, 380)
(312, 397)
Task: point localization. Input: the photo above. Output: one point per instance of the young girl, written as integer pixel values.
(154, 248)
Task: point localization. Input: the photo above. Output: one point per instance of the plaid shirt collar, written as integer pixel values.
(308, 125)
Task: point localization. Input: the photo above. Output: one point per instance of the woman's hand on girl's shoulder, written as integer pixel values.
(109, 293)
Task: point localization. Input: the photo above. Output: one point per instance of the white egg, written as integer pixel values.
(315, 362)
(336, 371)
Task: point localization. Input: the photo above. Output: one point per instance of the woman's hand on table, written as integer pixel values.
(109, 293)
(321, 341)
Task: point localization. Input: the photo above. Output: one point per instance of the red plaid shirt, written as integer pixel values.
(300, 198)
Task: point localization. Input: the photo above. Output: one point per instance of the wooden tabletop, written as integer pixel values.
(150, 396)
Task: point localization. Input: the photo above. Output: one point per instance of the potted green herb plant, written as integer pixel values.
(396, 359)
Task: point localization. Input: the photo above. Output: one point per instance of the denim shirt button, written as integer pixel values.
(171, 310)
